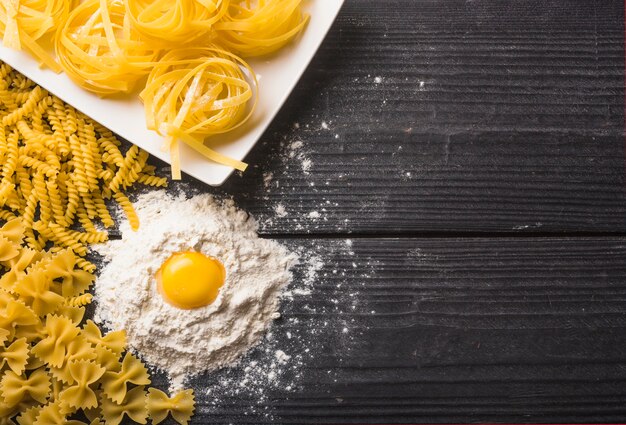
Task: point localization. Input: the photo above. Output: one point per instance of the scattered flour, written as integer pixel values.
(281, 356)
(281, 363)
(280, 210)
(294, 151)
(306, 165)
(267, 179)
(312, 265)
(294, 147)
(184, 343)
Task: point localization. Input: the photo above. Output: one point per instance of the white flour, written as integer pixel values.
(187, 342)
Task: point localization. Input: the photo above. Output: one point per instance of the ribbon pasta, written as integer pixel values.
(193, 93)
(198, 86)
(100, 50)
(175, 22)
(261, 27)
(24, 23)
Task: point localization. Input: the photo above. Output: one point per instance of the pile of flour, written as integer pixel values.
(187, 342)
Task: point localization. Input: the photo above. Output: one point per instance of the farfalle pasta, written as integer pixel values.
(107, 359)
(51, 413)
(180, 406)
(113, 341)
(34, 290)
(13, 230)
(58, 331)
(53, 366)
(16, 267)
(79, 349)
(115, 384)
(132, 405)
(4, 336)
(28, 416)
(15, 356)
(14, 388)
(7, 250)
(75, 314)
(74, 281)
(84, 374)
(15, 316)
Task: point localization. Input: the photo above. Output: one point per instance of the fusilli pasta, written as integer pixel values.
(59, 169)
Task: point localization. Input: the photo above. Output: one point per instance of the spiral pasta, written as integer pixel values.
(127, 206)
(100, 51)
(152, 180)
(59, 169)
(193, 93)
(80, 300)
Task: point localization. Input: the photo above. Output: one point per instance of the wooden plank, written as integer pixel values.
(431, 116)
(439, 330)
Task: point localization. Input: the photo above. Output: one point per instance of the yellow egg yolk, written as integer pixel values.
(189, 280)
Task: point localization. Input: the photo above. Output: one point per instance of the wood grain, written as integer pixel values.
(444, 330)
(421, 123)
(488, 116)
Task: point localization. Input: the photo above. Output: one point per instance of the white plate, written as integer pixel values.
(277, 78)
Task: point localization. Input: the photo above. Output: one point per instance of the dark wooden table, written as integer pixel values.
(473, 154)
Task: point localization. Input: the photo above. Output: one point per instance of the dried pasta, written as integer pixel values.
(80, 300)
(107, 359)
(260, 27)
(16, 387)
(114, 384)
(175, 22)
(15, 356)
(59, 170)
(28, 417)
(80, 395)
(133, 405)
(100, 51)
(69, 280)
(128, 208)
(51, 413)
(24, 23)
(113, 341)
(34, 290)
(59, 331)
(193, 93)
(53, 366)
(107, 47)
(75, 314)
(180, 406)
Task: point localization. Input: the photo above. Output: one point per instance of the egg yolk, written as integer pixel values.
(189, 280)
